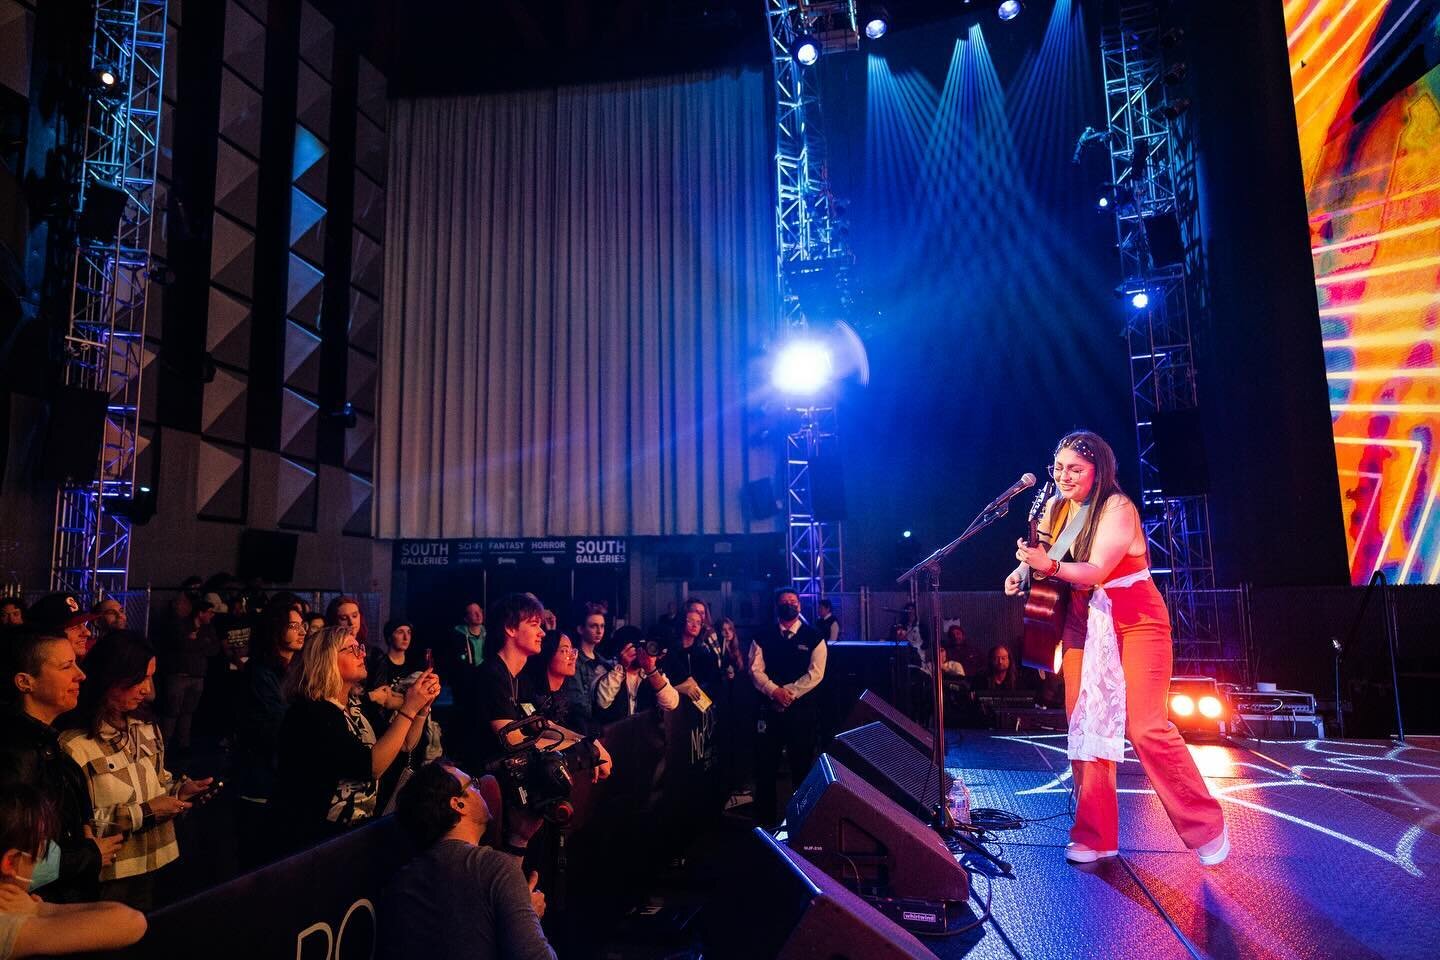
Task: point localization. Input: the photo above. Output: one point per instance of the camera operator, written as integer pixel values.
(635, 683)
(457, 898)
(513, 634)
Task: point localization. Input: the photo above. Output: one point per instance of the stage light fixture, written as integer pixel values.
(1176, 74)
(105, 77)
(1009, 9)
(807, 50)
(877, 21)
(1103, 203)
(802, 367)
(1172, 110)
(1140, 300)
(907, 534)
(1196, 707)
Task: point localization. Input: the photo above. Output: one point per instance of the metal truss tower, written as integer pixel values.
(809, 254)
(1153, 182)
(105, 342)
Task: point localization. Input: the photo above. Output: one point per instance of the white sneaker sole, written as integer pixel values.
(1089, 856)
(1210, 859)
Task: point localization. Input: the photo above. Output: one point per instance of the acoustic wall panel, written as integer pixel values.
(227, 336)
(220, 482)
(302, 358)
(359, 494)
(237, 183)
(245, 44)
(307, 226)
(367, 264)
(364, 321)
(360, 445)
(369, 205)
(297, 495)
(317, 40)
(312, 101)
(370, 148)
(360, 380)
(311, 163)
(240, 109)
(232, 256)
(298, 425)
(222, 412)
(305, 292)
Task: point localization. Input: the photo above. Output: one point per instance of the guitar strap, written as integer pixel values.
(1073, 525)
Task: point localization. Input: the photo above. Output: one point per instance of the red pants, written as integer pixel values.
(1146, 656)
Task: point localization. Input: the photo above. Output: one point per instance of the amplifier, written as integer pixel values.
(1273, 703)
(1271, 726)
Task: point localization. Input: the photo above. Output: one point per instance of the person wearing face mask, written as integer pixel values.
(787, 664)
(1117, 627)
(42, 682)
(31, 926)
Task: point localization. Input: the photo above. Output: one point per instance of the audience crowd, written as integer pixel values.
(324, 724)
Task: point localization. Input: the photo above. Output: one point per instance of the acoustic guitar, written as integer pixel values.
(1045, 604)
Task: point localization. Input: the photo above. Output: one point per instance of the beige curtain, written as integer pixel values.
(577, 283)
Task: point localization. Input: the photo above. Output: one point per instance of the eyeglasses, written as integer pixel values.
(567, 653)
(356, 650)
(294, 626)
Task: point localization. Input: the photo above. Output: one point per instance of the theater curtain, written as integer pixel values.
(577, 283)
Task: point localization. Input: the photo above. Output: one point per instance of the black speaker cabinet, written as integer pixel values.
(892, 765)
(268, 555)
(865, 840)
(871, 707)
(71, 451)
(775, 903)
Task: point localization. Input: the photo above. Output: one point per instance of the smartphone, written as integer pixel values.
(209, 792)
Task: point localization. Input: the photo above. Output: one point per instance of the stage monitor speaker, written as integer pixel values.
(871, 707)
(267, 555)
(71, 450)
(1180, 453)
(827, 489)
(772, 902)
(853, 832)
(759, 499)
(892, 765)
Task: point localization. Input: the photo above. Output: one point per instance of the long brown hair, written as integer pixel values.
(1095, 451)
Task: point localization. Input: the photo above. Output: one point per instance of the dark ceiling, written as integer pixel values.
(436, 47)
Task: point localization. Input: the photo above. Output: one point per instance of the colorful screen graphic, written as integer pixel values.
(1367, 105)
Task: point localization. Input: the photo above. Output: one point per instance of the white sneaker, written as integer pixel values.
(1216, 850)
(1079, 853)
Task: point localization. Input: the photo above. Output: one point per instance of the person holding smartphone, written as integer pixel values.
(122, 754)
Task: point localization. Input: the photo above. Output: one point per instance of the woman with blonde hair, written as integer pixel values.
(330, 757)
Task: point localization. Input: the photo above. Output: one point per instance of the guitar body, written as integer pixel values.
(1045, 605)
(1045, 609)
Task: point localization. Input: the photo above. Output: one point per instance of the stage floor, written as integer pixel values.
(1335, 853)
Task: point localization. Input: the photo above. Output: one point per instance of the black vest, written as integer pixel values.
(823, 625)
(787, 660)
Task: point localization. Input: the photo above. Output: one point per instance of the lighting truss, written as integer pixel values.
(1151, 164)
(805, 242)
(105, 342)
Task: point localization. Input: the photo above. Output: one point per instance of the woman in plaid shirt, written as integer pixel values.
(123, 757)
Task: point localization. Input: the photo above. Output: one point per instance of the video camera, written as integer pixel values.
(539, 780)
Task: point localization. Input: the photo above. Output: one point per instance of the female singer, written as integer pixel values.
(1117, 656)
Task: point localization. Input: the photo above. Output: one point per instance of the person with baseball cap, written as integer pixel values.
(63, 615)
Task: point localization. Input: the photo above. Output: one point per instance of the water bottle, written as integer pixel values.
(958, 801)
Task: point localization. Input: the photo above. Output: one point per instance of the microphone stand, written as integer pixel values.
(927, 572)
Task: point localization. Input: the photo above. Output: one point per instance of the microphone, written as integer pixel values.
(1025, 482)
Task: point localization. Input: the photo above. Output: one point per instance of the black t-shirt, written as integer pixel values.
(380, 670)
(318, 753)
(496, 697)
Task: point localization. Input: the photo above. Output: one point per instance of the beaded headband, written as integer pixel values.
(1079, 445)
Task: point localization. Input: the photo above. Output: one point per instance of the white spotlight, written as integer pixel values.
(802, 367)
(1009, 9)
